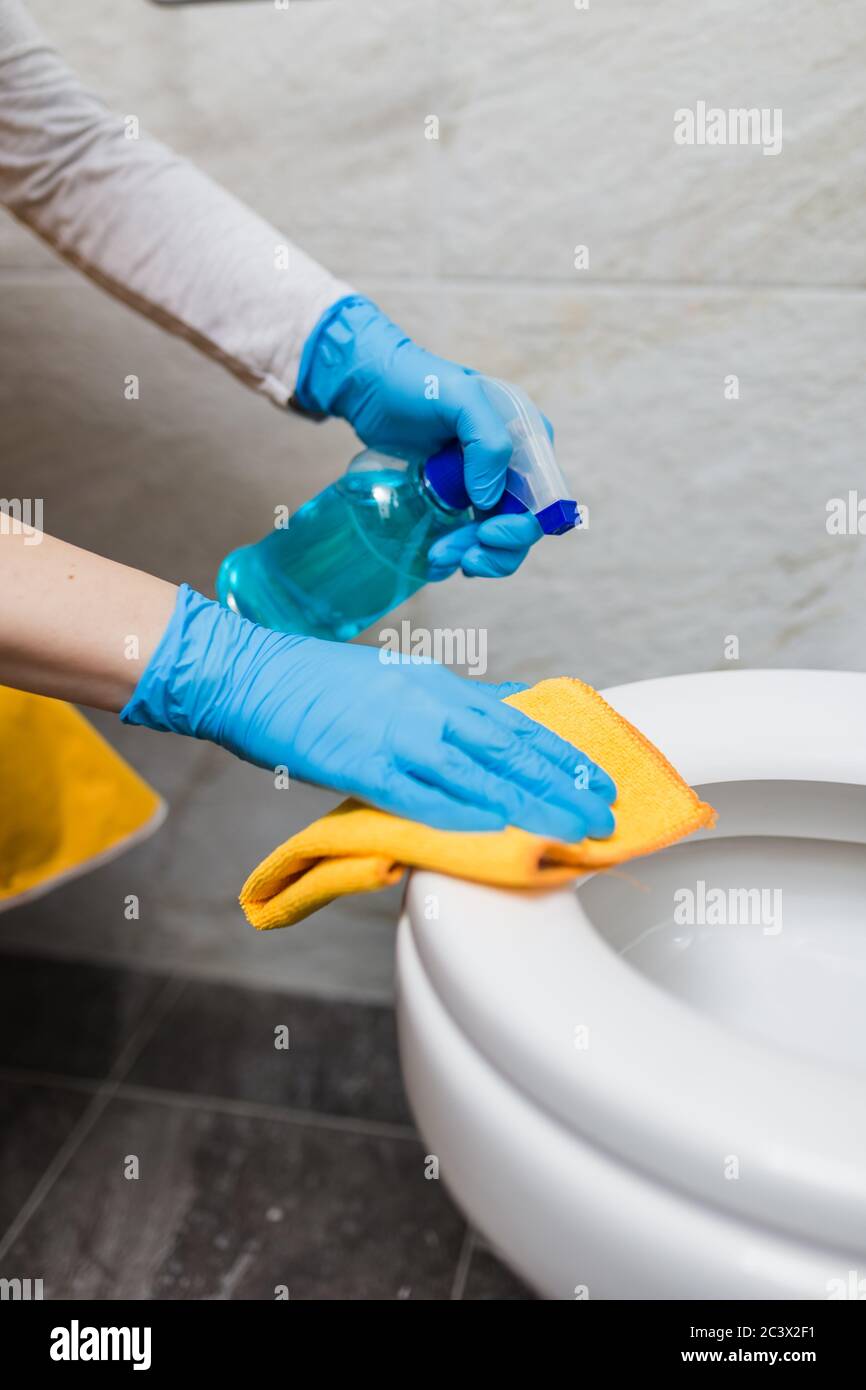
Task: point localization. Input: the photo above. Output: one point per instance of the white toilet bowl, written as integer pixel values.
(645, 1088)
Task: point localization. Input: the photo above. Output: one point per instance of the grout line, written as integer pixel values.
(505, 282)
(23, 1076)
(101, 1099)
(147, 1026)
(464, 1260)
(194, 1100)
(261, 1110)
(67, 1149)
(24, 275)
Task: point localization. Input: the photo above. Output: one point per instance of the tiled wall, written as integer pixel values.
(707, 515)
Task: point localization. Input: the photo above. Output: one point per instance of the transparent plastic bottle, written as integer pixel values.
(352, 553)
(359, 548)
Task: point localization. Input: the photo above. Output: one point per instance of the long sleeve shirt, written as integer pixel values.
(148, 225)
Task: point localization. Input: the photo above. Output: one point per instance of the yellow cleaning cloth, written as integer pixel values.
(67, 800)
(356, 849)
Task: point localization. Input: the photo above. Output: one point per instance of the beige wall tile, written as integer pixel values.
(707, 516)
(558, 126)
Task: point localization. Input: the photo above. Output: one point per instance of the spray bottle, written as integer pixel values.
(359, 548)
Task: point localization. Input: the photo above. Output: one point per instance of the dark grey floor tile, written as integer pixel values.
(68, 1017)
(489, 1279)
(229, 1207)
(34, 1121)
(219, 1040)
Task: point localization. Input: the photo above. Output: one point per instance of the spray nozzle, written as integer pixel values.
(534, 481)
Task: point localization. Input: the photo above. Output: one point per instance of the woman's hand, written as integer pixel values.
(413, 739)
(403, 400)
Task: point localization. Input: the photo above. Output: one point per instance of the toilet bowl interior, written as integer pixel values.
(759, 924)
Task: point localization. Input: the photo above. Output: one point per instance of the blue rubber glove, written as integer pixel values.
(413, 739)
(401, 399)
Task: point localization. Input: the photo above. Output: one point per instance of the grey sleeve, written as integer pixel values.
(147, 225)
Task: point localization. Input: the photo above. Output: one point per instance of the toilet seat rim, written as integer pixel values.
(802, 1133)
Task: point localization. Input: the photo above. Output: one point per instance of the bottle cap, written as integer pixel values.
(444, 473)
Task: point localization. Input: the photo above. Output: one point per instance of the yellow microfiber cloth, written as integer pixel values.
(67, 800)
(356, 849)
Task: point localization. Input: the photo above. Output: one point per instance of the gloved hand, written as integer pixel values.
(401, 399)
(413, 739)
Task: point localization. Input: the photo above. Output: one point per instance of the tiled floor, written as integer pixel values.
(157, 1143)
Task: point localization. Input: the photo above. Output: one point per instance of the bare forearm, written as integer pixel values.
(72, 624)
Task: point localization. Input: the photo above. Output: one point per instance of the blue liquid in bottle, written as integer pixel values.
(348, 556)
